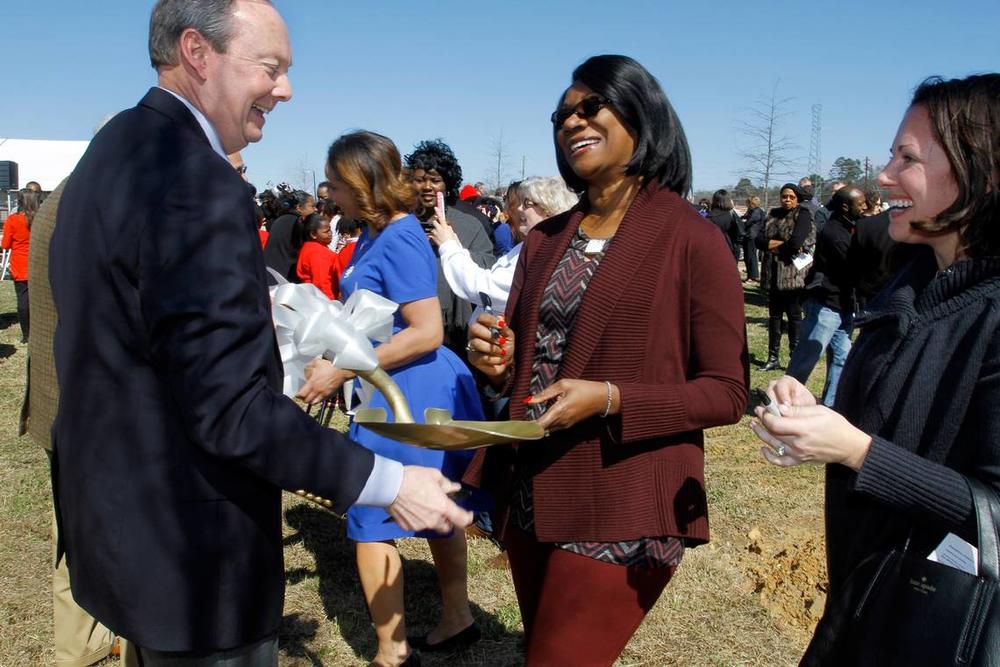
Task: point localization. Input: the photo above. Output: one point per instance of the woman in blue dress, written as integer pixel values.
(394, 259)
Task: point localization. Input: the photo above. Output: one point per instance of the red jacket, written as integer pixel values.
(16, 236)
(662, 318)
(318, 265)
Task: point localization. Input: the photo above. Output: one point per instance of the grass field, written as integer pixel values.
(750, 597)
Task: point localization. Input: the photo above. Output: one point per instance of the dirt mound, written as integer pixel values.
(789, 577)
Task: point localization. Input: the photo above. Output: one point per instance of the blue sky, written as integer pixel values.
(469, 72)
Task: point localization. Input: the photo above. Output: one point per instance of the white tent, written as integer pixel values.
(47, 162)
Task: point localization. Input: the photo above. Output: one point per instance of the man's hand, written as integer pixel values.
(422, 502)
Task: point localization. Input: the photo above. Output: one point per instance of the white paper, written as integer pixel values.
(802, 260)
(957, 553)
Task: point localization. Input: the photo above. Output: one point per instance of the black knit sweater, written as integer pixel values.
(924, 380)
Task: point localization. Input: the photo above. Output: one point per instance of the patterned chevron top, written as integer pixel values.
(557, 312)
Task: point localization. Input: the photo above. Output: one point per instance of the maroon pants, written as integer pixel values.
(577, 610)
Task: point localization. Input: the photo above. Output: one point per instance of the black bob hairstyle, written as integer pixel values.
(661, 149)
(435, 155)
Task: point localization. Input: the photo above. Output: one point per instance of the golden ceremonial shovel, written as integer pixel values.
(307, 324)
(439, 431)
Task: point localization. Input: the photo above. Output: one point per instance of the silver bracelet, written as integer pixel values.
(607, 406)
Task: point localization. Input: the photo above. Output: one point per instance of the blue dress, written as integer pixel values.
(400, 265)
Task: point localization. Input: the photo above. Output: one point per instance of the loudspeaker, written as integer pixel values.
(8, 175)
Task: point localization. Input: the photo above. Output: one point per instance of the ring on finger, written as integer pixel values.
(781, 450)
(469, 348)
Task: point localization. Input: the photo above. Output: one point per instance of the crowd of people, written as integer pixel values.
(599, 302)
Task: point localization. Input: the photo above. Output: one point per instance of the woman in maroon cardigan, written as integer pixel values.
(624, 338)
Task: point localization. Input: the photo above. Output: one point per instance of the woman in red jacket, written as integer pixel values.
(624, 338)
(16, 238)
(317, 264)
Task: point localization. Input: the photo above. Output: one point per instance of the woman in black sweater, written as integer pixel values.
(753, 225)
(729, 223)
(916, 413)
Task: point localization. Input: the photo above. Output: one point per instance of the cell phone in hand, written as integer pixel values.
(766, 402)
(439, 206)
(772, 407)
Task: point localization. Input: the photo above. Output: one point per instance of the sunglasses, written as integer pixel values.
(586, 108)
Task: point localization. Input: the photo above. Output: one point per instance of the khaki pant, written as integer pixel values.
(79, 639)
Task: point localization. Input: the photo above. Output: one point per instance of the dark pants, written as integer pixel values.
(789, 304)
(21, 290)
(262, 654)
(577, 610)
(750, 259)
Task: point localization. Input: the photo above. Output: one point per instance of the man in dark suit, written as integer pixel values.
(172, 440)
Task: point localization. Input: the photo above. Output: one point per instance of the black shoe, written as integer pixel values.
(460, 640)
(772, 364)
(412, 660)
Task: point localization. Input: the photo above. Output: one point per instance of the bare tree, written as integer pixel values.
(499, 174)
(767, 151)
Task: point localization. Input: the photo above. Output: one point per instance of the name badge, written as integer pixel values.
(594, 246)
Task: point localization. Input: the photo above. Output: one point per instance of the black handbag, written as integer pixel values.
(898, 608)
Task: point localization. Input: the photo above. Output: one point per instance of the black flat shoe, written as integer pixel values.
(460, 640)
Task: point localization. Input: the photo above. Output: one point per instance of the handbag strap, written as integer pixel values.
(987, 506)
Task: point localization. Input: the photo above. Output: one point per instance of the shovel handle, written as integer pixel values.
(393, 394)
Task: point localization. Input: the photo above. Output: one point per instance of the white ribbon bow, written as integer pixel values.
(308, 324)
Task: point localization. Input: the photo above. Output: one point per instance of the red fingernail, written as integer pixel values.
(501, 323)
(503, 352)
(527, 399)
(501, 340)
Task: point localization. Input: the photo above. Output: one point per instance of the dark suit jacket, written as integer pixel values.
(662, 318)
(172, 439)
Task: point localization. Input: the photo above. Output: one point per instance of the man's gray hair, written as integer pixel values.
(211, 18)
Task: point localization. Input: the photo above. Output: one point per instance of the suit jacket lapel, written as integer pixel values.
(640, 231)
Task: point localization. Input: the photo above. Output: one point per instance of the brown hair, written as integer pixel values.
(370, 166)
(753, 201)
(28, 202)
(965, 116)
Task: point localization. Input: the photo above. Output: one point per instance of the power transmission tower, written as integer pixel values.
(814, 145)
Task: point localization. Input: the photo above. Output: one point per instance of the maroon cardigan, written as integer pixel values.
(662, 318)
